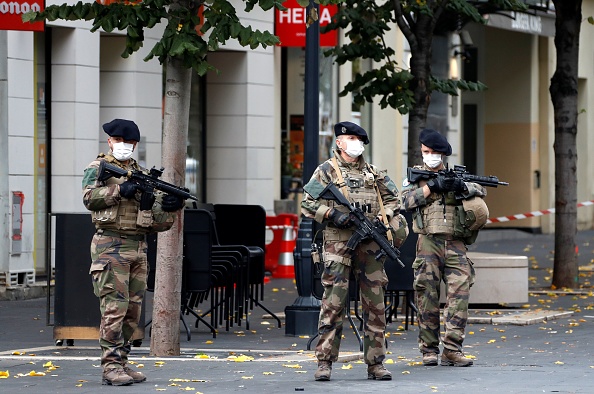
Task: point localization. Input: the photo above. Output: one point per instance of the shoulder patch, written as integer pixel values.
(405, 182)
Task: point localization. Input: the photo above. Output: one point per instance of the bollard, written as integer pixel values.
(286, 265)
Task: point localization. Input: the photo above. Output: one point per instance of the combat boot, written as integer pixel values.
(137, 376)
(116, 377)
(379, 372)
(324, 370)
(429, 358)
(455, 359)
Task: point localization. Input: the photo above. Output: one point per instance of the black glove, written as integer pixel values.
(171, 203)
(128, 189)
(437, 184)
(146, 201)
(454, 184)
(340, 219)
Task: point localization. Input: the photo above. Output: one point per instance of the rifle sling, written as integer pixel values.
(345, 192)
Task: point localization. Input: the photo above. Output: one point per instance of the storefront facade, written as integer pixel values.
(245, 135)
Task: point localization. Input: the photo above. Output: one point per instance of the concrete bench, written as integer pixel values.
(500, 279)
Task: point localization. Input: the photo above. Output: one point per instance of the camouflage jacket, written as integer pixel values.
(438, 213)
(326, 173)
(412, 193)
(110, 211)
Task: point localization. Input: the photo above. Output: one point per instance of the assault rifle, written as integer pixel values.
(365, 228)
(414, 175)
(146, 182)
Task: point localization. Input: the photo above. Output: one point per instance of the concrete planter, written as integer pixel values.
(500, 279)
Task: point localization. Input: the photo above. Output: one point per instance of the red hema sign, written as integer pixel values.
(290, 27)
(12, 10)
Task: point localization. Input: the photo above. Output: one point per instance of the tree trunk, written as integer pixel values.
(564, 93)
(420, 67)
(168, 275)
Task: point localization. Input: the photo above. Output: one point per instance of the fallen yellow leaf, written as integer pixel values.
(33, 373)
(4, 374)
(348, 366)
(406, 372)
(247, 377)
(240, 359)
(208, 342)
(48, 364)
(267, 373)
(559, 362)
(296, 366)
(389, 361)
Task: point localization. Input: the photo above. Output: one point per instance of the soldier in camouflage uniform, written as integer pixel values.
(362, 180)
(123, 216)
(441, 253)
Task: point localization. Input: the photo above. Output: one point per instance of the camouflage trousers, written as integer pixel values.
(371, 279)
(439, 259)
(119, 272)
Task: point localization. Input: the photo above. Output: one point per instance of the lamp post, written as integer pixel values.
(301, 318)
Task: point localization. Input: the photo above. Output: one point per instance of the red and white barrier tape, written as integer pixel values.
(532, 214)
(279, 226)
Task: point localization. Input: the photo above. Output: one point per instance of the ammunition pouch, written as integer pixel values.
(461, 230)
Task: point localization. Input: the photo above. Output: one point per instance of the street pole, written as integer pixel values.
(301, 318)
(4, 195)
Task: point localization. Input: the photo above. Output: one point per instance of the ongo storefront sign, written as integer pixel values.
(12, 10)
(289, 25)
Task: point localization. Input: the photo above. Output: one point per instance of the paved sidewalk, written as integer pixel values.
(544, 346)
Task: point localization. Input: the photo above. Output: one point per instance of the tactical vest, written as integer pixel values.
(121, 217)
(430, 218)
(361, 188)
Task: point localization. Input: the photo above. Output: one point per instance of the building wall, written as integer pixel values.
(585, 139)
(20, 160)
(511, 123)
(242, 127)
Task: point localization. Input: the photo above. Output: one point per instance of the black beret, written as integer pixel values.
(435, 141)
(122, 128)
(349, 128)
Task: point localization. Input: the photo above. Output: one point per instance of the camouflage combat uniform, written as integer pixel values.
(119, 265)
(360, 178)
(441, 255)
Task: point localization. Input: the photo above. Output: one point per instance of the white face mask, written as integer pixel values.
(354, 148)
(433, 160)
(122, 151)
